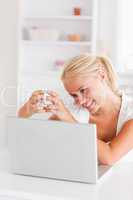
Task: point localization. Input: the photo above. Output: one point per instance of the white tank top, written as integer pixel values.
(126, 111)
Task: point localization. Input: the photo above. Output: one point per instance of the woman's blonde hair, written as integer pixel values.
(85, 64)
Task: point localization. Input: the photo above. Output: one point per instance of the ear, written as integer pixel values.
(101, 74)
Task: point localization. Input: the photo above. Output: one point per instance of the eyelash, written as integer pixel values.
(74, 96)
(82, 90)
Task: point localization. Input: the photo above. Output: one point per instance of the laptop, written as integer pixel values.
(54, 149)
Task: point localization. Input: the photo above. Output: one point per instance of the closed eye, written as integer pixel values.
(73, 95)
(82, 91)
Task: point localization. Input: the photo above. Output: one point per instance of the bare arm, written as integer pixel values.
(58, 109)
(24, 111)
(54, 117)
(30, 107)
(118, 147)
(67, 119)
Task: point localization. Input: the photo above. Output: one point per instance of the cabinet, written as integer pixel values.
(50, 32)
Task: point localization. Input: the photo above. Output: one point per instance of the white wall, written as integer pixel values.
(8, 58)
(107, 30)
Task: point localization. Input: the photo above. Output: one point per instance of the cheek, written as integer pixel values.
(99, 97)
(94, 94)
(98, 92)
(88, 94)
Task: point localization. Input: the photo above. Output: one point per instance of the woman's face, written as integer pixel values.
(87, 92)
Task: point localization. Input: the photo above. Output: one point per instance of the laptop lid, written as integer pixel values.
(53, 149)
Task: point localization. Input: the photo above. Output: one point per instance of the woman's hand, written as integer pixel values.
(57, 107)
(31, 106)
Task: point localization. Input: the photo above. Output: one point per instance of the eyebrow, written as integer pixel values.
(76, 90)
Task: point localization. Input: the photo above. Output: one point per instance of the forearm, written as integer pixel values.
(109, 153)
(105, 155)
(71, 118)
(66, 117)
(54, 117)
(24, 111)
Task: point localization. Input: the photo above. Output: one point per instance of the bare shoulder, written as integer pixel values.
(127, 130)
(128, 126)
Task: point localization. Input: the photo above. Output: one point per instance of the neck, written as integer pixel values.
(110, 108)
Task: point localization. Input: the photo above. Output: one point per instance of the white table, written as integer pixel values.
(117, 184)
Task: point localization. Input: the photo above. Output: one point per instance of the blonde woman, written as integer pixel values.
(91, 81)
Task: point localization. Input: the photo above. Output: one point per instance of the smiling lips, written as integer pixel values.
(90, 105)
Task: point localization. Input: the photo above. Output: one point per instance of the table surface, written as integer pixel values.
(116, 184)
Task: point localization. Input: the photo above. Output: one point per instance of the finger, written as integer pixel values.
(41, 111)
(53, 110)
(33, 99)
(53, 100)
(33, 108)
(53, 93)
(51, 107)
(38, 92)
